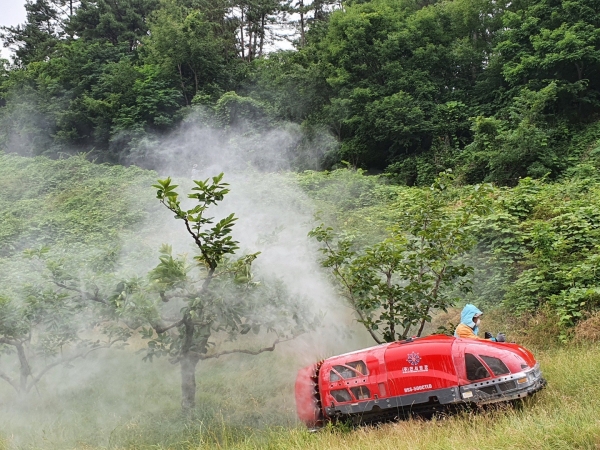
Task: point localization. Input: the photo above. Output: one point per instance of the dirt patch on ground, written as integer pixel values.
(588, 330)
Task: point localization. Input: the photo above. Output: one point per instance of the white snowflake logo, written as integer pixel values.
(413, 358)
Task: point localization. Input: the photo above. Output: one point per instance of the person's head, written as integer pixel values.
(469, 314)
(477, 318)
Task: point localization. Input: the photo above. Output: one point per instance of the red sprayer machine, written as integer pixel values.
(414, 376)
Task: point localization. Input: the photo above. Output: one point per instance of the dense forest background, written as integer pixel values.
(495, 90)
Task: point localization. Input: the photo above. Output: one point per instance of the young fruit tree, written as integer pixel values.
(214, 297)
(396, 284)
(46, 328)
(187, 309)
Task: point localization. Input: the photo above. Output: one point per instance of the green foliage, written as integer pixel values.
(67, 202)
(400, 78)
(545, 57)
(523, 145)
(123, 22)
(66, 220)
(215, 242)
(345, 189)
(402, 83)
(80, 222)
(37, 38)
(494, 91)
(396, 284)
(210, 304)
(546, 41)
(291, 82)
(191, 48)
(541, 247)
(46, 329)
(532, 249)
(244, 113)
(104, 92)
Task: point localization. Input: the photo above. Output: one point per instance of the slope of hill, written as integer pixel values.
(536, 256)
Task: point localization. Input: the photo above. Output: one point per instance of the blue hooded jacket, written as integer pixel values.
(466, 317)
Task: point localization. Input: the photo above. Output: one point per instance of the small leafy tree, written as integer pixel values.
(44, 330)
(394, 285)
(215, 296)
(185, 308)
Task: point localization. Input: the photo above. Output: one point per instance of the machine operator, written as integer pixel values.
(470, 319)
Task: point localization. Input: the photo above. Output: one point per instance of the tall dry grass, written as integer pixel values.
(252, 408)
(564, 416)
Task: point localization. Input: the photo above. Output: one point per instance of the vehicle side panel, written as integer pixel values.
(516, 358)
(420, 366)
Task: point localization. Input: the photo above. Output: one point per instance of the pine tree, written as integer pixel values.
(118, 22)
(36, 39)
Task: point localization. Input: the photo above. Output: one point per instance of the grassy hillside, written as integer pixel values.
(536, 256)
(82, 213)
(247, 405)
(68, 201)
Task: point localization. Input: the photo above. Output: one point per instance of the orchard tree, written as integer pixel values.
(48, 328)
(184, 308)
(396, 284)
(189, 306)
(216, 295)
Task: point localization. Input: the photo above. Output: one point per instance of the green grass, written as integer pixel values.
(246, 403)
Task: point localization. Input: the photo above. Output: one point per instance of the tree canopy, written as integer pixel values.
(494, 90)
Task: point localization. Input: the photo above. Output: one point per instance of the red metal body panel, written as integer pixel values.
(515, 357)
(421, 366)
(375, 368)
(403, 373)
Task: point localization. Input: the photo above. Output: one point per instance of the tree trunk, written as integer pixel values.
(391, 307)
(195, 78)
(25, 371)
(302, 25)
(262, 35)
(190, 357)
(579, 71)
(422, 324)
(242, 34)
(187, 103)
(254, 44)
(188, 382)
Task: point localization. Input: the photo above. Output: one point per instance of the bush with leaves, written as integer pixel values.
(533, 251)
(395, 285)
